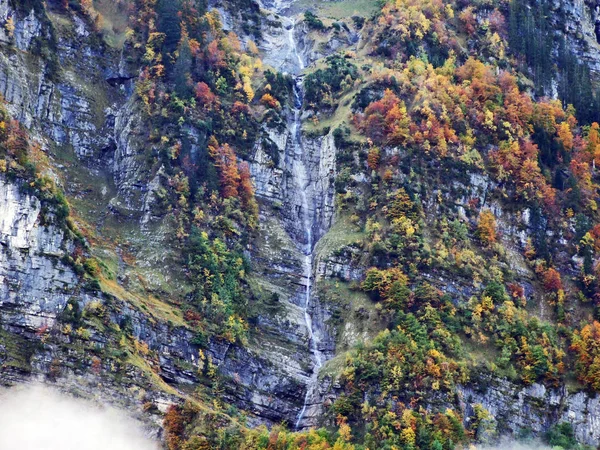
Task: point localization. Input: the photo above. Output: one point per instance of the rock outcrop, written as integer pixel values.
(89, 111)
(35, 284)
(517, 410)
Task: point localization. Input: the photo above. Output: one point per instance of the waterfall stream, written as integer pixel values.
(304, 198)
(302, 179)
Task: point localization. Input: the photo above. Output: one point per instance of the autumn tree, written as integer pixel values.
(247, 190)
(205, 96)
(593, 143)
(517, 163)
(551, 280)
(174, 426)
(565, 135)
(468, 20)
(87, 6)
(226, 164)
(385, 121)
(9, 26)
(270, 102)
(585, 346)
(486, 227)
(373, 158)
(389, 285)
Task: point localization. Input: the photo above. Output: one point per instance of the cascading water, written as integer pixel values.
(294, 51)
(303, 199)
(302, 180)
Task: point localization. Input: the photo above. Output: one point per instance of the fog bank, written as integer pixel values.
(508, 444)
(40, 418)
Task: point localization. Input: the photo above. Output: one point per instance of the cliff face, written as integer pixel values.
(71, 91)
(582, 27)
(75, 94)
(36, 285)
(534, 408)
(78, 102)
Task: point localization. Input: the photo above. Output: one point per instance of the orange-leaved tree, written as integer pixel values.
(586, 345)
(486, 227)
(385, 121)
(226, 164)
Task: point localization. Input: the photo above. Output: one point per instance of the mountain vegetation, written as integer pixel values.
(466, 236)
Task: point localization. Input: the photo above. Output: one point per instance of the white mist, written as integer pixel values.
(40, 418)
(507, 444)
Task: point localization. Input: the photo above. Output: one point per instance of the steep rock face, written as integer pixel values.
(26, 29)
(35, 97)
(25, 88)
(283, 28)
(74, 102)
(298, 207)
(344, 266)
(582, 27)
(273, 373)
(131, 175)
(319, 157)
(34, 284)
(35, 289)
(103, 127)
(277, 183)
(516, 409)
(82, 105)
(280, 35)
(269, 377)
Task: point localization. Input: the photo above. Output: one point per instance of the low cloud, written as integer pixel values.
(507, 444)
(40, 418)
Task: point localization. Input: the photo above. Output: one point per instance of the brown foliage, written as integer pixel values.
(551, 280)
(373, 158)
(226, 164)
(205, 96)
(174, 427)
(385, 121)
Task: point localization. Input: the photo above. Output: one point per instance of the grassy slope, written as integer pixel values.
(341, 9)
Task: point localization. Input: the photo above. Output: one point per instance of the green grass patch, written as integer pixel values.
(354, 315)
(342, 116)
(114, 21)
(343, 233)
(154, 307)
(17, 352)
(333, 368)
(341, 9)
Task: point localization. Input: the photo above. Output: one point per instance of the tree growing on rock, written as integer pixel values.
(226, 164)
(486, 227)
(373, 158)
(585, 346)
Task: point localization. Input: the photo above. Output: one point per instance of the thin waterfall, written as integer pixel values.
(306, 198)
(308, 222)
(293, 45)
(303, 181)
